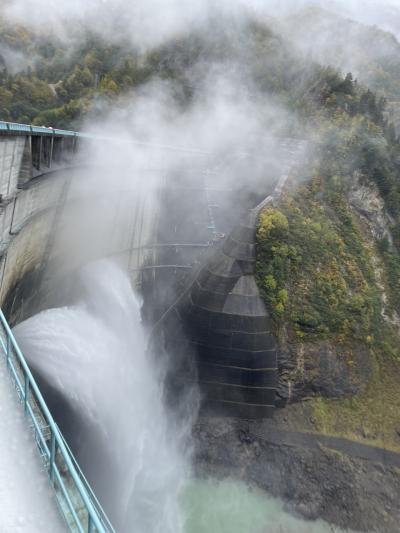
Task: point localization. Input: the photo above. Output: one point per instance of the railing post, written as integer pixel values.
(8, 349)
(51, 151)
(90, 523)
(26, 392)
(40, 151)
(52, 454)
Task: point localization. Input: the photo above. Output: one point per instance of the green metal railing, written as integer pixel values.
(10, 128)
(75, 498)
(13, 127)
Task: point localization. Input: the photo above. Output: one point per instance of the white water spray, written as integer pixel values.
(94, 354)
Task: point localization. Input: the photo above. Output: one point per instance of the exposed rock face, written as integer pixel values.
(367, 202)
(369, 205)
(316, 481)
(322, 368)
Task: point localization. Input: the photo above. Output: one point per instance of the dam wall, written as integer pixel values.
(43, 226)
(11, 155)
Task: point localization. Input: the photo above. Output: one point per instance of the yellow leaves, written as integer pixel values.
(283, 296)
(316, 226)
(272, 222)
(270, 282)
(108, 86)
(271, 219)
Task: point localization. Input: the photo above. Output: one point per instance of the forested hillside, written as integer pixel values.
(44, 80)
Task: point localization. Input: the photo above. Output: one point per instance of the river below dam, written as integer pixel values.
(231, 506)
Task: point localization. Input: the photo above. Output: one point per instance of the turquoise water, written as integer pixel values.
(230, 506)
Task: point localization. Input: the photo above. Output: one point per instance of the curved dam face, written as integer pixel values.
(57, 219)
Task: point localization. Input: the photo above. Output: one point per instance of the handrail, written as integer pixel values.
(28, 128)
(92, 495)
(54, 450)
(9, 127)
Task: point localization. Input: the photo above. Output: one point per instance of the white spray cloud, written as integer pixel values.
(145, 23)
(15, 60)
(95, 355)
(154, 20)
(227, 131)
(149, 23)
(350, 37)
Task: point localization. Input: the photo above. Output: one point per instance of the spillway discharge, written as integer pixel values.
(92, 358)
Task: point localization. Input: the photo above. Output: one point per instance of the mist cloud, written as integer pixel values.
(147, 23)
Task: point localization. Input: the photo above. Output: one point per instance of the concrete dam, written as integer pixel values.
(188, 244)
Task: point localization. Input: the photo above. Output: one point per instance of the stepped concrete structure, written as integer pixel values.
(231, 332)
